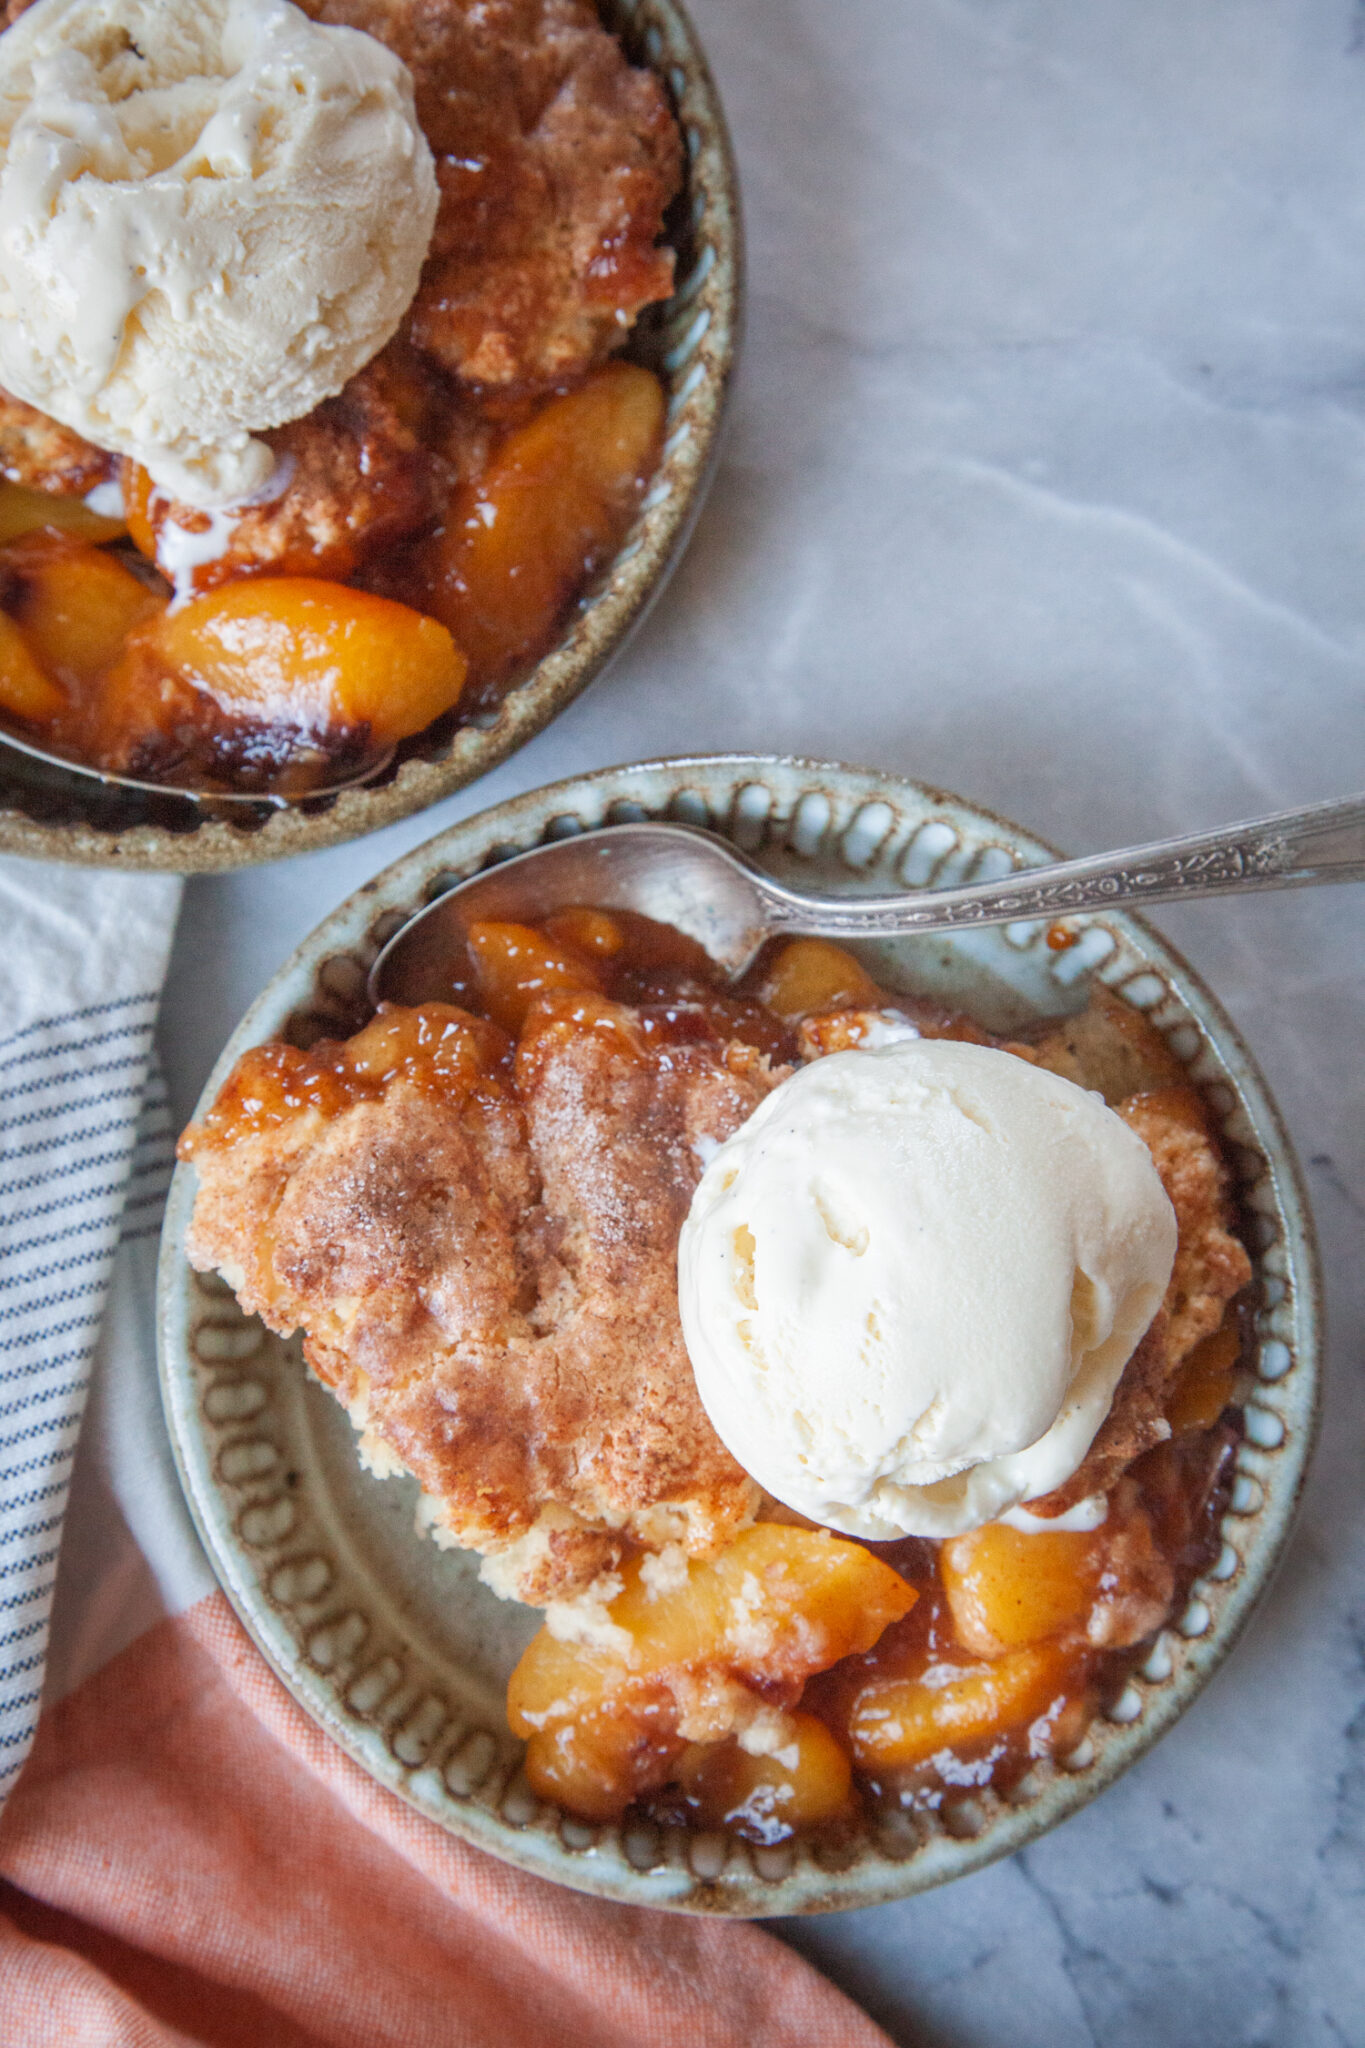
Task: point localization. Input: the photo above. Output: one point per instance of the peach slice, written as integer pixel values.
(1007, 1588)
(553, 504)
(25, 692)
(515, 964)
(767, 1798)
(775, 1605)
(27, 511)
(591, 932)
(899, 1722)
(595, 1765)
(297, 651)
(810, 975)
(1206, 1383)
(76, 604)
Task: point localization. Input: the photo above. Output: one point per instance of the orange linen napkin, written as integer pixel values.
(189, 1859)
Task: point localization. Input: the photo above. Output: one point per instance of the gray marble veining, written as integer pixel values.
(1046, 482)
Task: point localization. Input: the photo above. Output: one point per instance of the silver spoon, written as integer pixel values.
(199, 793)
(713, 893)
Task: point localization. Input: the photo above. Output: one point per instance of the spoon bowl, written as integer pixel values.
(201, 793)
(709, 890)
(674, 873)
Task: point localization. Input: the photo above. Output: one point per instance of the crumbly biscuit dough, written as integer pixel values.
(46, 456)
(490, 1286)
(555, 160)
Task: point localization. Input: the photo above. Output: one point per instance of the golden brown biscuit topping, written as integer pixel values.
(483, 1259)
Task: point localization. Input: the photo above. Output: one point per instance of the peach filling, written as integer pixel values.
(809, 975)
(23, 510)
(69, 608)
(271, 680)
(298, 652)
(522, 540)
(435, 1047)
(716, 1655)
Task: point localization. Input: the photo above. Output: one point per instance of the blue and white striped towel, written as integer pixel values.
(82, 959)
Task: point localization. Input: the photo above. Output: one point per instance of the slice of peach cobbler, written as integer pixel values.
(422, 532)
(472, 1212)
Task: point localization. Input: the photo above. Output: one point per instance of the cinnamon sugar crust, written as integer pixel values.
(358, 475)
(1211, 1265)
(489, 1284)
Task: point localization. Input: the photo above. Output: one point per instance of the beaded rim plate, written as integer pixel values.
(691, 341)
(395, 1648)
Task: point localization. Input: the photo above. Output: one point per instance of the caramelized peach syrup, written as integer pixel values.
(437, 1048)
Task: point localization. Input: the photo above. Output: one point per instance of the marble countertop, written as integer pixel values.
(1046, 483)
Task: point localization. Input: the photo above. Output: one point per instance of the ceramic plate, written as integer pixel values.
(690, 341)
(394, 1646)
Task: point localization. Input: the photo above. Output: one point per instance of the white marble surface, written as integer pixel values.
(1046, 482)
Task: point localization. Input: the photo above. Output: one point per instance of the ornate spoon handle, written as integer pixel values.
(1324, 843)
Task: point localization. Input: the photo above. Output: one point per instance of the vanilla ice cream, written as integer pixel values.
(910, 1282)
(212, 214)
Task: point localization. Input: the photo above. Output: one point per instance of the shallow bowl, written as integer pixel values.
(395, 1647)
(690, 341)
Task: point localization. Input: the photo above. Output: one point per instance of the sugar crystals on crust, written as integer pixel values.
(486, 1276)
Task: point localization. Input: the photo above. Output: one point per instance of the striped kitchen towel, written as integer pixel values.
(82, 958)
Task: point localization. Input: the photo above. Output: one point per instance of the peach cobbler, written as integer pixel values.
(471, 1210)
(421, 534)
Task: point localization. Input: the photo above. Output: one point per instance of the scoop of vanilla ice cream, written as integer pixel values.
(212, 214)
(910, 1282)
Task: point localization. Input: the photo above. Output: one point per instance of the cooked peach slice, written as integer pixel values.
(776, 1604)
(137, 505)
(591, 932)
(296, 651)
(268, 1087)
(76, 604)
(554, 503)
(25, 692)
(1007, 1588)
(810, 975)
(899, 1722)
(767, 1798)
(597, 1764)
(435, 1045)
(1207, 1380)
(515, 964)
(23, 510)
